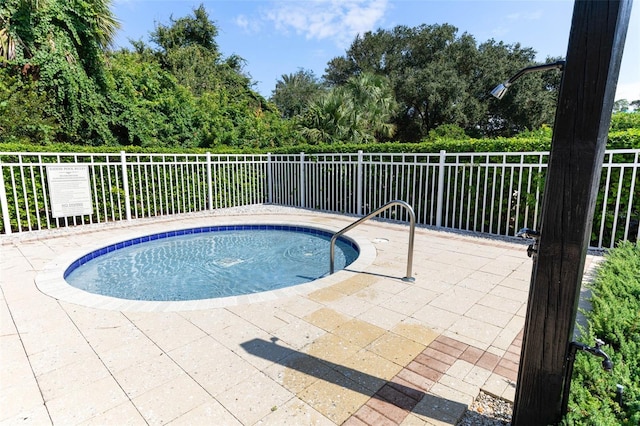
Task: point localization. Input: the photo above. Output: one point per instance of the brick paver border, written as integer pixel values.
(393, 402)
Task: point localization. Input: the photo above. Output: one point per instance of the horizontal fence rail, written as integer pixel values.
(493, 193)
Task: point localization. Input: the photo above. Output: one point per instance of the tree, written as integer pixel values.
(441, 78)
(358, 111)
(188, 49)
(621, 105)
(295, 92)
(196, 30)
(529, 103)
(228, 110)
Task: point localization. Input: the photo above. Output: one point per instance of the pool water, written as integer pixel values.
(209, 263)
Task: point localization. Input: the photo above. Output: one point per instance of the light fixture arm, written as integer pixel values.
(501, 88)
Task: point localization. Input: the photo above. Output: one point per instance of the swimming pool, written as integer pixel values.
(209, 262)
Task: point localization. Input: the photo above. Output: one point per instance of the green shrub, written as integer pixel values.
(615, 318)
(625, 120)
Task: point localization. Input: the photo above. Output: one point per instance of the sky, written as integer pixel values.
(280, 37)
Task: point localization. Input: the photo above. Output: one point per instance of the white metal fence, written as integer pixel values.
(495, 193)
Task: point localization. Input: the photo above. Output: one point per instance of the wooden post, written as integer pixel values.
(583, 115)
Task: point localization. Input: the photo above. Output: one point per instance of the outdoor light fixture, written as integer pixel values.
(501, 88)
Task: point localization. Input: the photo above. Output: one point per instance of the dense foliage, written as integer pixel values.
(61, 83)
(178, 91)
(614, 318)
(446, 138)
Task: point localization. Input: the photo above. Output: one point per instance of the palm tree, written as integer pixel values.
(295, 92)
(374, 100)
(359, 111)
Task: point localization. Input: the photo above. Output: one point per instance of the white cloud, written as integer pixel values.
(529, 16)
(242, 22)
(247, 24)
(338, 20)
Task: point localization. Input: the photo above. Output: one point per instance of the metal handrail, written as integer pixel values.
(412, 229)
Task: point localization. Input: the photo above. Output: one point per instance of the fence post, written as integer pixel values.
(269, 180)
(209, 181)
(302, 185)
(125, 184)
(4, 204)
(359, 183)
(440, 196)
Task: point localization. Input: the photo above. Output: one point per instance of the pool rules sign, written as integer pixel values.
(69, 190)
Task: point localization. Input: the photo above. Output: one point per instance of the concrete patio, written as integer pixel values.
(358, 347)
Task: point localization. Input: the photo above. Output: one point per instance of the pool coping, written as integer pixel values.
(52, 283)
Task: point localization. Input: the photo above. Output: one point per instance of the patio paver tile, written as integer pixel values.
(71, 377)
(326, 295)
(254, 398)
(396, 348)
(354, 284)
(435, 318)
(326, 318)
(358, 332)
(458, 301)
(332, 348)
(147, 375)
(125, 413)
(382, 317)
(368, 369)
(298, 371)
(168, 402)
(352, 305)
(335, 397)
(495, 385)
(299, 333)
(416, 332)
(460, 369)
(296, 412)
(86, 402)
(155, 327)
(477, 376)
(20, 399)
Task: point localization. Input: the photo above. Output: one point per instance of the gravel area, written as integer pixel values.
(487, 410)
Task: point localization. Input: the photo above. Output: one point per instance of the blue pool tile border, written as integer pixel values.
(203, 229)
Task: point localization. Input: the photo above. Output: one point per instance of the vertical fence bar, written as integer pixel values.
(441, 166)
(616, 211)
(301, 190)
(4, 204)
(209, 182)
(269, 179)
(359, 184)
(631, 193)
(44, 191)
(125, 185)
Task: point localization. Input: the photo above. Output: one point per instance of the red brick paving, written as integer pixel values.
(471, 355)
(393, 402)
(488, 361)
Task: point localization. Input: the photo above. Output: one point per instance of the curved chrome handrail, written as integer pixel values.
(412, 219)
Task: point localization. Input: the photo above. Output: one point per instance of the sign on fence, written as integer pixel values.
(69, 190)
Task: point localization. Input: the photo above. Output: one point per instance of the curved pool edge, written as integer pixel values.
(52, 283)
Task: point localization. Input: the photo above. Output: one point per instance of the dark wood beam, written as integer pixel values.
(583, 115)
